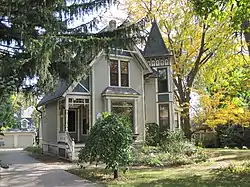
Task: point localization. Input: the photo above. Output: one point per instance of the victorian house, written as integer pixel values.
(131, 80)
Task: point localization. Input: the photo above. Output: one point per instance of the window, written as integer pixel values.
(162, 80)
(119, 73)
(114, 79)
(126, 109)
(164, 116)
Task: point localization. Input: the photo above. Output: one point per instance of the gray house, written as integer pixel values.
(137, 82)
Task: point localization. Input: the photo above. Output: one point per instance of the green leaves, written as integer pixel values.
(109, 142)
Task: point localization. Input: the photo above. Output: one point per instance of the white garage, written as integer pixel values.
(19, 139)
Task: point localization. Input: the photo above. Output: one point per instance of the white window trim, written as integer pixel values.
(119, 72)
(168, 79)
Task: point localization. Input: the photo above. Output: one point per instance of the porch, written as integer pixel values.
(74, 119)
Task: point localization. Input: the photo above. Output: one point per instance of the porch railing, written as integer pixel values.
(70, 146)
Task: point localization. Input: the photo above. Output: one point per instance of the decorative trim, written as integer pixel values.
(83, 87)
(58, 118)
(93, 96)
(143, 59)
(116, 57)
(96, 58)
(122, 96)
(143, 105)
(78, 125)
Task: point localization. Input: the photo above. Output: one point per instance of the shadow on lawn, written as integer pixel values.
(218, 178)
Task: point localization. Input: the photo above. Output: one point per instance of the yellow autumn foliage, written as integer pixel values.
(216, 111)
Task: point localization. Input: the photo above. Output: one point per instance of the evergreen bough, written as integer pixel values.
(36, 42)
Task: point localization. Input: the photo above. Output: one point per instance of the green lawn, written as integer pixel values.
(202, 175)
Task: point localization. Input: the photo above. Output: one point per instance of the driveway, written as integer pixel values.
(25, 171)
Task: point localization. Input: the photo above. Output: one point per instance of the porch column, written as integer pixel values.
(109, 104)
(66, 113)
(78, 124)
(135, 115)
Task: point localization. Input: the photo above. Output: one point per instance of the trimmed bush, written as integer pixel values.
(109, 142)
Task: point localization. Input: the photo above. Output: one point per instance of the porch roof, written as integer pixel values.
(119, 91)
(58, 93)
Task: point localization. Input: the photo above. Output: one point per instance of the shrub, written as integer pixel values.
(155, 157)
(109, 142)
(230, 136)
(176, 143)
(243, 168)
(152, 134)
(206, 139)
(34, 150)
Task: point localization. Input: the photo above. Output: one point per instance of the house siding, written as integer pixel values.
(100, 83)
(136, 82)
(150, 101)
(49, 125)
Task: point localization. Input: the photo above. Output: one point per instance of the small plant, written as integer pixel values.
(243, 168)
(109, 142)
(34, 150)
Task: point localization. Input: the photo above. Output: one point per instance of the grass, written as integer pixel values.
(206, 174)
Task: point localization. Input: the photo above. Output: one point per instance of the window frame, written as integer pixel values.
(131, 105)
(166, 80)
(119, 72)
(159, 117)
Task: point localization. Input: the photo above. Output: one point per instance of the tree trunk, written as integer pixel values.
(115, 173)
(185, 119)
(246, 26)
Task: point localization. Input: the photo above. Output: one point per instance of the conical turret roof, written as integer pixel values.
(155, 46)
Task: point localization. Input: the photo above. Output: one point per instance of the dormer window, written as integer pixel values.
(119, 73)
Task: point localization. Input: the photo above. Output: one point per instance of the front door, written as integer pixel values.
(72, 121)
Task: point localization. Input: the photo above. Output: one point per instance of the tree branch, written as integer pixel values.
(195, 69)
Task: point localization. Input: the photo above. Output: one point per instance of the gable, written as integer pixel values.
(130, 53)
(80, 88)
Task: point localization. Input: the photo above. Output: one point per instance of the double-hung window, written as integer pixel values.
(119, 73)
(162, 80)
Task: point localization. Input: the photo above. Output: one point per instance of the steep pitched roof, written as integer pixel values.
(62, 87)
(59, 91)
(155, 45)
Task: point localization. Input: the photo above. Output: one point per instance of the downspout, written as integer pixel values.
(40, 124)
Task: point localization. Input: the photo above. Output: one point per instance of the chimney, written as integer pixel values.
(112, 25)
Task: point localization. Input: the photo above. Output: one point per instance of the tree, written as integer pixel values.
(239, 12)
(37, 44)
(194, 41)
(109, 142)
(225, 96)
(7, 113)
